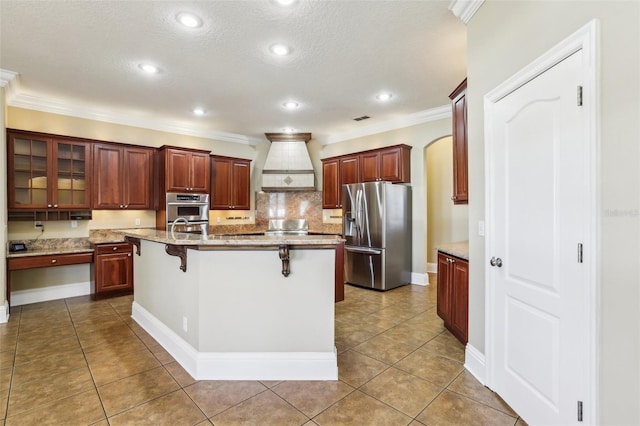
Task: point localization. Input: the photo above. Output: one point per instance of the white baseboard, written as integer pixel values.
(35, 295)
(4, 312)
(419, 278)
(474, 363)
(432, 268)
(238, 365)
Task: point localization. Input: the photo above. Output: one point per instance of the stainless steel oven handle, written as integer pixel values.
(362, 250)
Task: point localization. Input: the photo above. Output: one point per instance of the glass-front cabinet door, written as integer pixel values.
(47, 173)
(70, 186)
(28, 172)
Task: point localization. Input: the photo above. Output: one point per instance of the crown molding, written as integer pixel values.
(20, 99)
(465, 9)
(420, 117)
(7, 77)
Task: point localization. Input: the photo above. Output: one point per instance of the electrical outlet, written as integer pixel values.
(37, 224)
(185, 326)
(74, 223)
(137, 221)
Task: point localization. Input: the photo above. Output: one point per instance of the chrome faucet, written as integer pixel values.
(173, 225)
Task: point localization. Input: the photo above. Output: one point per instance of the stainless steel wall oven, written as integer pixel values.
(189, 212)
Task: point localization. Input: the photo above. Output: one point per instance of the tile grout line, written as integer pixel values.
(84, 355)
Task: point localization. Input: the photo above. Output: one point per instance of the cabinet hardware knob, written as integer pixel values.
(496, 261)
(115, 248)
(126, 206)
(55, 206)
(121, 206)
(54, 261)
(453, 197)
(49, 205)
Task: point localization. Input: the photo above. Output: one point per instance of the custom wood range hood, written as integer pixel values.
(288, 165)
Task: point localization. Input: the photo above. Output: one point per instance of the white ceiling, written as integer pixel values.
(81, 58)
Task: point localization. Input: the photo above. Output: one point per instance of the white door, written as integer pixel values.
(538, 209)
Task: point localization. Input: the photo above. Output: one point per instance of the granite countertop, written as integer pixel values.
(231, 241)
(459, 249)
(51, 246)
(230, 235)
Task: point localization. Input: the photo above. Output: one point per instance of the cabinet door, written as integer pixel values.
(241, 185)
(177, 170)
(28, 171)
(330, 182)
(200, 174)
(114, 272)
(349, 173)
(220, 183)
(444, 288)
(370, 164)
(71, 175)
(459, 299)
(391, 165)
(107, 177)
(137, 178)
(460, 156)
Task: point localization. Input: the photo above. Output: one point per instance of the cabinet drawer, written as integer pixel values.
(113, 248)
(49, 260)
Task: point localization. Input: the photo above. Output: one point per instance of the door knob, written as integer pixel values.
(496, 261)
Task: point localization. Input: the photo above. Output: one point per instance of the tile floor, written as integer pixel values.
(75, 361)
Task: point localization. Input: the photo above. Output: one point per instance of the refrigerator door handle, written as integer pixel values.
(362, 250)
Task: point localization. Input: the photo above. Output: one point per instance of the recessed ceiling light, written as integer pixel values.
(288, 130)
(198, 111)
(189, 20)
(285, 2)
(149, 68)
(280, 49)
(384, 96)
(291, 105)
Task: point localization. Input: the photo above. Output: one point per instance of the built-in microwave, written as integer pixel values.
(192, 208)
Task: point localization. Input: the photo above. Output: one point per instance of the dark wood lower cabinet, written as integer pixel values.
(453, 295)
(112, 270)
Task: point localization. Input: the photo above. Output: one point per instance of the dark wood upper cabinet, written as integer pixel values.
(230, 183)
(185, 170)
(123, 177)
(370, 162)
(392, 164)
(460, 157)
(330, 184)
(47, 171)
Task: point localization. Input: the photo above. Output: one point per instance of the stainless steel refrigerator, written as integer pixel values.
(377, 228)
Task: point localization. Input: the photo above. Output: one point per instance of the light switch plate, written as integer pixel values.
(481, 228)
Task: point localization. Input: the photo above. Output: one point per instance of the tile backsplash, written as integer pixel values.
(289, 205)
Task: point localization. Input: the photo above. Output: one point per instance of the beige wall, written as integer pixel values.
(503, 37)
(446, 222)
(418, 137)
(3, 199)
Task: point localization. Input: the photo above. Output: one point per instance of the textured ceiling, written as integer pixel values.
(86, 54)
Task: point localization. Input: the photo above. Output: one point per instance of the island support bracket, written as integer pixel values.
(181, 252)
(135, 242)
(284, 256)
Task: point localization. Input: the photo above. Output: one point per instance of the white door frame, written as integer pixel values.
(586, 38)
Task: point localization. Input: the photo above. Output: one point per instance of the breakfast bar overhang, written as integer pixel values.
(239, 307)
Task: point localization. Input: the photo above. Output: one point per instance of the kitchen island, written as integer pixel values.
(239, 307)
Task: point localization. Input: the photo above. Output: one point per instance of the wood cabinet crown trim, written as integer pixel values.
(383, 148)
(181, 148)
